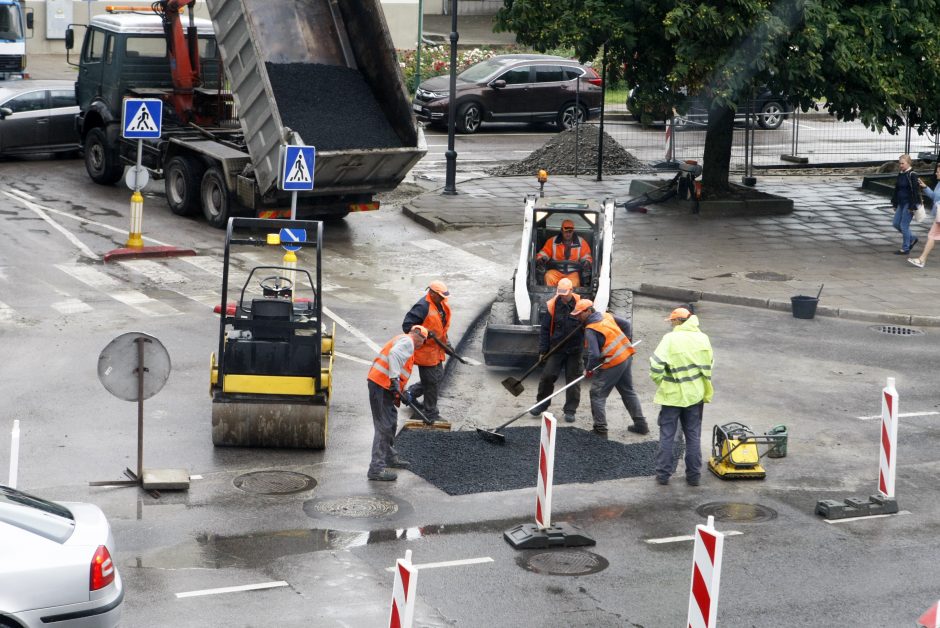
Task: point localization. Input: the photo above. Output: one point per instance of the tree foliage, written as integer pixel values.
(867, 60)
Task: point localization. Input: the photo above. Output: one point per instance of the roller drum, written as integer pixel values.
(270, 424)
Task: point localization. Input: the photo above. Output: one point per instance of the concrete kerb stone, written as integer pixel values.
(874, 317)
(734, 299)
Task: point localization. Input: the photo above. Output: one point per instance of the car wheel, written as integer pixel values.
(215, 198)
(469, 117)
(102, 162)
(771, 115)
(570, 116)
(182, 181)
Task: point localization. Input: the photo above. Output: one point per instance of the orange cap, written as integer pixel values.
(679, 313)
(567, 223)
(564, 286)
(421, 329)
(582, 305)
(439, 287)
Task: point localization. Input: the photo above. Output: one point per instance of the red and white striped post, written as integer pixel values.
(543, 496)
(889, 439)
(402, 612)
(706, 576)
(930, 619)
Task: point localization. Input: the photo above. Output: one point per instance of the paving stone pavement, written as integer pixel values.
(838, 235)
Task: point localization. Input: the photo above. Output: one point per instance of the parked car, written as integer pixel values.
(769, 108)
(38, 117)
(57, 567)
(513, 88)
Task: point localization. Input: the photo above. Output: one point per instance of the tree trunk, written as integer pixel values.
(719, 137)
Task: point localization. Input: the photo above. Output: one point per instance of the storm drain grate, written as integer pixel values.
(897, 330)
(767, 276)
(274, 482)
(737, 512)
(566, 563)
(355, 507)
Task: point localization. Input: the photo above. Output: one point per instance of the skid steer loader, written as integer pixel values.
(512, 328)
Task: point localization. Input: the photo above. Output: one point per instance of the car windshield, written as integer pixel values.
(47, 519)
(480, 71)
(10, 26)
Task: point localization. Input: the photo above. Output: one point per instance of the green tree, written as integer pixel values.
(868, 60)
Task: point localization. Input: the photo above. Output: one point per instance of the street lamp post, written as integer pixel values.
(450, 178)
(418, 48)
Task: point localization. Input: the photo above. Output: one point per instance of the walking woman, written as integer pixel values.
(934, 233)
(904, 201)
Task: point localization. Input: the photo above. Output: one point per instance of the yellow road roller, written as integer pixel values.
(270, 379)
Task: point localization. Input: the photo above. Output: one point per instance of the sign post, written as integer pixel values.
(141, 120)
(297, 165)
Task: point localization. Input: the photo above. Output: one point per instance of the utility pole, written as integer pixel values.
(450, 177)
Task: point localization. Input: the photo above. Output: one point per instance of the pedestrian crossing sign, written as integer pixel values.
(142, 118)
(297, 173)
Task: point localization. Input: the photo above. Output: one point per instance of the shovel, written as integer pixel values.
(406, 399)
(495, 437)
(449, 350)
(514, 385)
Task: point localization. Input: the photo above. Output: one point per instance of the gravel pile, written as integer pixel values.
(330, 106)
(461, 463)
(557, 156)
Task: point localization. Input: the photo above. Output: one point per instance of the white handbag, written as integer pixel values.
(920, 214)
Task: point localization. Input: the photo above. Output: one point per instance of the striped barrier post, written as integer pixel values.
(543, 495)
(930, 619)
(889, 439)
(706, 576)
(403, 593)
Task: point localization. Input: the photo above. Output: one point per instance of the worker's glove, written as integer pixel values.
(394, 386)
(396, 399)
(588, 374)
(540, 265)
(586, 264)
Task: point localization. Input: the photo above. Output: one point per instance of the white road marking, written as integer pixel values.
(23, 194)
(449, 563)
(355, 332)
(205, 263)
(680, 539)
(834, 521)
(89, 276)
(7, 313)
(143, 304)
(71, 306)
(903, 415)
(238, 589)
(71, 237)
(154, 271)
(351, 358)
(195, 477)
(209, 299)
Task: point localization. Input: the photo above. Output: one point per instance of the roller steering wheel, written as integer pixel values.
(277, 285)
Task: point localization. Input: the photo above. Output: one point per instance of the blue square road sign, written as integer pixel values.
(142, 118)
(297, 173)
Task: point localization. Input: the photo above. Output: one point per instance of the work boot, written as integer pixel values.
(600, 430)
(693, 481)
(399, 463)
(569, 418)
(662, 481)
(639, 427)
(383, 476)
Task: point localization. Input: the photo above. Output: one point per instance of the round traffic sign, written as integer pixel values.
(119, 361)
(137, 177)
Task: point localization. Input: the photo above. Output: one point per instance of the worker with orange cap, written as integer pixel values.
(681, 368)
(433, 313)
(387, 378)
(565, 255)
(610, 356)
(556, 326)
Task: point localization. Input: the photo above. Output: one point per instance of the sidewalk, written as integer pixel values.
(838, 235)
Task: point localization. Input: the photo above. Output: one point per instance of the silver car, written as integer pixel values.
(56, 567)
(38, 117)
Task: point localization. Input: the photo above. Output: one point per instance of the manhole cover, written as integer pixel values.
(897, 330)
(737, 512)
(274, 482)
(356, 507)
(767, 276)
(566, 563)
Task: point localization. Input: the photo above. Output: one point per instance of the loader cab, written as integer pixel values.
(549, 216)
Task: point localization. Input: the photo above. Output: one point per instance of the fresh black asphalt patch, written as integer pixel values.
(461, 463)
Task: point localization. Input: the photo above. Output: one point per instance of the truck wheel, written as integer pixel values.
(469, 117)
(102, 162)
(182, 181)
(621, 303)
(215, 198)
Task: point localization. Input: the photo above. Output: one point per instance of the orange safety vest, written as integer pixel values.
(431, 353)
(554, 249)
(379, 373)
(550, 306)
(616, 347)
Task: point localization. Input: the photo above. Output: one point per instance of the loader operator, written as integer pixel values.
(387, 378)
(433, 313)
(565, 255)
(610, 356)
(557, 324)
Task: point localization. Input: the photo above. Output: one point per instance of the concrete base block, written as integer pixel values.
(530, 536)
(856, 507)
(166, 479)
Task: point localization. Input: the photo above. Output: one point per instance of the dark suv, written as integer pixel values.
(513, 88)
(768, 108)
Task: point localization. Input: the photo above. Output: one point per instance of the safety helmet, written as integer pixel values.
(564, 286)
(582, 305)
(439, 287)
(680, 313)
(421, 329)
(567, 224)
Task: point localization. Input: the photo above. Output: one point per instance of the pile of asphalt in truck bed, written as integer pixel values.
(330, 106)
(575, 152)
(461, 463)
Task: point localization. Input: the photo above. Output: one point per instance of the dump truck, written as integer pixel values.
(15, 22)
(261, 75)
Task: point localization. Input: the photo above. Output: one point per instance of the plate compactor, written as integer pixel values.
(734, 451)
(271, 385)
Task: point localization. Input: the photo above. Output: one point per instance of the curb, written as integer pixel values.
(692, 296)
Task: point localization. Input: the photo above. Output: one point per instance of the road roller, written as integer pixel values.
(270, 379)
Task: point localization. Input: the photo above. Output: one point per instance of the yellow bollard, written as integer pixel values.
(290, 260)
(134, 239)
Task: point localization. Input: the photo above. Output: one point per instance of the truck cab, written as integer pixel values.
(15, 23)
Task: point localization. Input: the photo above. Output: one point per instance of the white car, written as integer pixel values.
(56, 567)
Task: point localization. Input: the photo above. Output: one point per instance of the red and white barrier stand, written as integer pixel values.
(930, 619)
(706, 576)
(14, 454)
(402, 612)
(543, 533)
(882, 503)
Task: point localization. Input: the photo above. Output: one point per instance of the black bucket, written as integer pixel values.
(804, 307)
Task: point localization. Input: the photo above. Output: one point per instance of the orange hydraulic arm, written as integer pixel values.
(183, 50)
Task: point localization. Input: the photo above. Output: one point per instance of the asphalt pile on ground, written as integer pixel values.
(461, 463)
(330, 106)
(575, 150)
